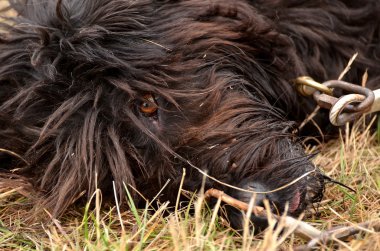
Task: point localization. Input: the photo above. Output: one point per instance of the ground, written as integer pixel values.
(352, 159)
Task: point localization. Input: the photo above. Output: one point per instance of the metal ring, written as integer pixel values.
(354, 89)
(338, 117)
(304, 82)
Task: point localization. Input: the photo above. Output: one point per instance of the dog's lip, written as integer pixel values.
(294, 203)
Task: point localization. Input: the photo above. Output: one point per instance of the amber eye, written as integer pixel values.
(148, 106)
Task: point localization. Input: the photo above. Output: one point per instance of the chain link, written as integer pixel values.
(343, 109)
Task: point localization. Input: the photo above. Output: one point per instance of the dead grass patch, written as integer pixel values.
(353, 159)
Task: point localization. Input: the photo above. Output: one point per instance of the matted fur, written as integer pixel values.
(74, 74)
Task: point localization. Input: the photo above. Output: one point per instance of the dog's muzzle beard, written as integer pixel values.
(259, 159)
(283, 197)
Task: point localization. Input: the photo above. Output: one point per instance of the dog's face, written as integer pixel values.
(135, 91)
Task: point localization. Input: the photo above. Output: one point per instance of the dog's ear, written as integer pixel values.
(50, 111)
(268, 57)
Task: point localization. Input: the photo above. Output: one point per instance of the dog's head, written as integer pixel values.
(134, 91)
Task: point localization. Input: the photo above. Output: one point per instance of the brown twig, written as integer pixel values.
(340, 233)
(302, 229)
(232, 201)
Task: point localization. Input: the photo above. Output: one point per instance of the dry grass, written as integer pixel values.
(354, 160)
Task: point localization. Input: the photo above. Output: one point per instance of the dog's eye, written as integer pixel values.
(148, 106)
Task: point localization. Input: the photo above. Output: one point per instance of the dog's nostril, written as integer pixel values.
(260, 194)
(277, 200)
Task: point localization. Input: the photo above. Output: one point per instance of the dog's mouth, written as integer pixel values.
(295, 202)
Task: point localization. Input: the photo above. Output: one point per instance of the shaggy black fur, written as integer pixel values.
(133, 91)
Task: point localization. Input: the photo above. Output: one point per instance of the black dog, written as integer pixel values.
(135, 91)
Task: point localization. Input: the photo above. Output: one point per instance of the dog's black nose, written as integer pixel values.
(236, 217)
(237, 220)
(260, 192)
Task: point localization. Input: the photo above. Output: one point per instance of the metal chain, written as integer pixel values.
(359, 100)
